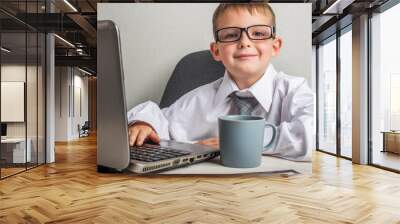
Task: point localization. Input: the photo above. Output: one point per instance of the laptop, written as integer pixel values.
(113, 150)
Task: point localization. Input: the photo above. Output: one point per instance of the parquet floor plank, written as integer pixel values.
(71, 191)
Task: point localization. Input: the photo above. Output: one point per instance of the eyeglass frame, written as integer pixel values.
(245, 29)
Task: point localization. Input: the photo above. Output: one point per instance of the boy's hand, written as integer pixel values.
(139, 132)
(212, 142)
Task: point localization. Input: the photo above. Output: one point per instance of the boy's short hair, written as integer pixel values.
(261, 7)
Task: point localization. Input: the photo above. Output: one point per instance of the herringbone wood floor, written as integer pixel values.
(71, 191)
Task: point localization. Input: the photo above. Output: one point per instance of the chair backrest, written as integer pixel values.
(192, 71)
(86, 125)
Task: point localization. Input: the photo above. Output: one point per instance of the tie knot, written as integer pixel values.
(244, 104)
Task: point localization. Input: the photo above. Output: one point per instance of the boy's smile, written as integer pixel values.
(246, 60)
(245, 56)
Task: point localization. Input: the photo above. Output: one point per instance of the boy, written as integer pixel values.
(245, 42)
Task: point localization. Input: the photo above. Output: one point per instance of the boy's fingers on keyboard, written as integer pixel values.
(154, 137)
(143, 133)
(133, 136)
(130, 128)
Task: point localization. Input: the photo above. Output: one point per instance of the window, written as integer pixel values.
(22, 77)
(327, 97)
(346, 93)
(385, 89)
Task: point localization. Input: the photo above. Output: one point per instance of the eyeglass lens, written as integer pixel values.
(254, 32)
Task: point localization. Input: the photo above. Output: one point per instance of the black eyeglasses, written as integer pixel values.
(256, 32)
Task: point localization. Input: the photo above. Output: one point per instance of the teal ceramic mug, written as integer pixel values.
(241, 139)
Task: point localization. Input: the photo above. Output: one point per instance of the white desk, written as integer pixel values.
(269, 165)
(17, 145)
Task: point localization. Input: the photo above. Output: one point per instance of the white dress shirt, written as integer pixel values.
(285, 101)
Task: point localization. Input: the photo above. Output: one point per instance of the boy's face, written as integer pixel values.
(245, 58)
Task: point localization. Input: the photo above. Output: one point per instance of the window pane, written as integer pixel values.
(14, 150)
(327, 97)
(22, 64)
(346, 94)
(41, 98)
(386, 89)
(31, 97)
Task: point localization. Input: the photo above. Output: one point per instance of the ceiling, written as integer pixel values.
(74, 21)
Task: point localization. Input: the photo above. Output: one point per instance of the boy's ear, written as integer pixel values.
(214, 51)
(276, 46)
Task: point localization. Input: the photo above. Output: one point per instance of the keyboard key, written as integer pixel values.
(152, 153)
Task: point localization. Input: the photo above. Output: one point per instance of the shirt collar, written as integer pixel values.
(262, 90)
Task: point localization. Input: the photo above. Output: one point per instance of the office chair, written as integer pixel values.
(192, 71)
(84, 130)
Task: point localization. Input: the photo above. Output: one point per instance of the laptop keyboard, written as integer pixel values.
(153, 153)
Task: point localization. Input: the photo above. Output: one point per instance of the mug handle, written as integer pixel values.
(273, 135)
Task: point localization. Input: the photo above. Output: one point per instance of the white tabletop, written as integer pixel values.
(269, 164)
(13, 140)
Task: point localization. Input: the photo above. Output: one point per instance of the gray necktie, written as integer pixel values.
(244, 105)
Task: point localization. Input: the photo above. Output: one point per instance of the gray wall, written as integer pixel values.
(71, 96)
(156, 36)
